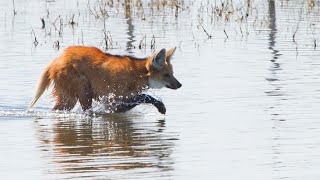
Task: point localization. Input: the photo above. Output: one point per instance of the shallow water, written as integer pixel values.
(248, 107)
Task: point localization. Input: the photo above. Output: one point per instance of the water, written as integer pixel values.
(248, 107)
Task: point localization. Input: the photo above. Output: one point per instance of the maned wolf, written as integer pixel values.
(87, 73)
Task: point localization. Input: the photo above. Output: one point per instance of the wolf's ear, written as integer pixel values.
(170, 52)
(159, 59)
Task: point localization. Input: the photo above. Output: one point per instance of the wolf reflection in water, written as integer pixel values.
(94, 144)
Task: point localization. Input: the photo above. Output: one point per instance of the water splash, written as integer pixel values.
(39, 114)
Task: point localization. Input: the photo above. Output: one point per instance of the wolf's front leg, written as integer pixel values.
(139, 99)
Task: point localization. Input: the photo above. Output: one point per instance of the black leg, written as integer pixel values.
(139, 99)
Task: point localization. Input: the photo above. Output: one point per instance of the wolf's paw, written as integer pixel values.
(160, 106)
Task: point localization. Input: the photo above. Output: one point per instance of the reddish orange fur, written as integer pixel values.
(106, 73)
(82, 73)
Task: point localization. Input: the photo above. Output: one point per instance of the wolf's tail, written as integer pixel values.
(44, 83)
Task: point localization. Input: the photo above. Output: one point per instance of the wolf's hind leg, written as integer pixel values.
(63, 102)
(70, 86)
(85, 93)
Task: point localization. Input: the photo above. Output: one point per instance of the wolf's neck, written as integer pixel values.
(140, 66)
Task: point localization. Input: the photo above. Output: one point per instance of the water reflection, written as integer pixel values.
(276, 66)
(273, 32)
(100, 145)
(276, 93)
(130, 30)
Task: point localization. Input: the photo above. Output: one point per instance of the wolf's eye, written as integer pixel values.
(167, 75)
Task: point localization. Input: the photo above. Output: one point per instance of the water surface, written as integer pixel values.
(248, 107)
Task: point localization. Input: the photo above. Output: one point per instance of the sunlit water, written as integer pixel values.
(248, 108)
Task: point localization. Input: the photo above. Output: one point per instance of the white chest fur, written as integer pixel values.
(156, 84)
